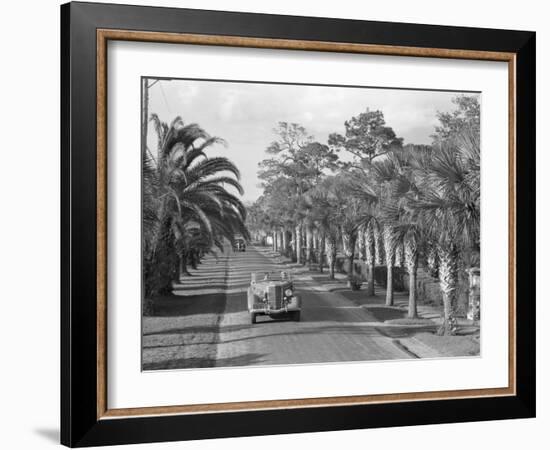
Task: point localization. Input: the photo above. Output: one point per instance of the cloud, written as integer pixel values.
(244, 114)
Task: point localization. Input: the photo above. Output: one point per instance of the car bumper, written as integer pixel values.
(273, 312)
(265, 309)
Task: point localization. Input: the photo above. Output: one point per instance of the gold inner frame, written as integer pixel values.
(104, 35)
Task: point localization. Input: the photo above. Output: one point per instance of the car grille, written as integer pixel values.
(275, 295)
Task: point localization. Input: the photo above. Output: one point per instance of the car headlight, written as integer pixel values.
(288, 292)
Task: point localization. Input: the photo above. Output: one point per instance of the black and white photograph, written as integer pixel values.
(278, 224)
(299, 224)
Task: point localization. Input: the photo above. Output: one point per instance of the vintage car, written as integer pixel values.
(272, 294)
(239, 245)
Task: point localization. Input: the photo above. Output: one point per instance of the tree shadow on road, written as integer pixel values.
(383, 313)
(195, 363)
(270, 332)
(405, 332)
(172, 305)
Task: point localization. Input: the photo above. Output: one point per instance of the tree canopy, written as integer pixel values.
(366, 137)
(398, 204)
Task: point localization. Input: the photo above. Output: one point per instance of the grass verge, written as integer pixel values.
(183, 332)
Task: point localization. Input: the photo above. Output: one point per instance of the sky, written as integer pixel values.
(245, 114)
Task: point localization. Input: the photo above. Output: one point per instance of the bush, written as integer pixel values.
(355, 282)
(148, 307)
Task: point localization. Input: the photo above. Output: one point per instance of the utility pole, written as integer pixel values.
(144, 113)
(145, 86)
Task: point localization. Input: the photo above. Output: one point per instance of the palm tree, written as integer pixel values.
(325, 213)
(400, 254)
(388, 234)
(402, 236)
(379, 255)
(353, 214)
(298, 202)
(370, 254)
(395, 186)
(257, 219)
(363, 188)
(184, 193)
(447, 208)
(284, 206)
(409, 236)
(432, 259)
(331, 234)
(411, 262)
(391, 184)
(308, 225)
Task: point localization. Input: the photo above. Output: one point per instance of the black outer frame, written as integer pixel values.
(79, 425)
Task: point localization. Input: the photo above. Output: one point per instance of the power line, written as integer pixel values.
(164, 97)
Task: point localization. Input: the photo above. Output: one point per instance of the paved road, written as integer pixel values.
(192, 331)
(228, 273)
(332, 328)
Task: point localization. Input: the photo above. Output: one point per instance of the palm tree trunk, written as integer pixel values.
(389, 250)
(370, 279)
(321, 253)
(164, 267)
(411, 261)
(400, 255)
(193, 259)
(378, 245)
(331, 256)
(370, 258)
(433, 260)
(293, 240)
(144, 113)
(162, 230)
(175, 272)
(389, 285)
(183, 265)
(309, 244)
(315, 240)
(345, 242)
(346, 250)
(315, 246)
(299, 243)
(349, 240)
(448, 278)
(412, 312)
(361, 244)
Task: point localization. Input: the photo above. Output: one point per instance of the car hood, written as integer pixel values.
(272, 283)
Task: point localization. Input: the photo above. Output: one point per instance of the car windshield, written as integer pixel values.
(282, 275)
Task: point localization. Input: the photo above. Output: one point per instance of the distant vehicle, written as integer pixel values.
(272, 294)
(239, 245)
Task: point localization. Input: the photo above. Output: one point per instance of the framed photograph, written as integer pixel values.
(276, 224)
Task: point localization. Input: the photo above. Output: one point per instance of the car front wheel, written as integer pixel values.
(252, 318)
